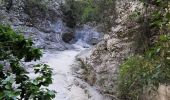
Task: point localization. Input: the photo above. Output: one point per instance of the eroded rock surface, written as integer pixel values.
(38, 20)
(101, 64)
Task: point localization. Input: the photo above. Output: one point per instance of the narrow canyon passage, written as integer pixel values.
(84, 49)
(67, 86)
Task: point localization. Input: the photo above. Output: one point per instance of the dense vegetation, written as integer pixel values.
(82, 11)
(15, 82)
(144, 72)
(139, 74)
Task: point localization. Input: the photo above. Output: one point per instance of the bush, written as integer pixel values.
(151, 68)
(82, 11)
(42, 4)
(90, 13)
(38, 6)
(142, 71)
(14, 81)
(72, 10)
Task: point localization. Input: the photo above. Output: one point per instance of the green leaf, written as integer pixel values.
(14, 48)
(163, 38)
(168, 16)
(7, 87)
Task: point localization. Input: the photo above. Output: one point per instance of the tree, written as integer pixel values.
(14, 80)
(83, 11)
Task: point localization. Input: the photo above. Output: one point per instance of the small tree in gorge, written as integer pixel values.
(15, 84)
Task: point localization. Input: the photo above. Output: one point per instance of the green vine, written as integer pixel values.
(146, 71)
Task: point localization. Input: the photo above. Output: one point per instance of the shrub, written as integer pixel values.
(38, 6)
(142, 71)
(42, 4)
(82, 11)
(152, 67)
(15, 82)
(72, 10)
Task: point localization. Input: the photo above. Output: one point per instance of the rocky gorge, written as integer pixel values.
(85, 59)
(60, 43)
(105, 58)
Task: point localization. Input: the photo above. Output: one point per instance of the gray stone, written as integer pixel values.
(42, 25)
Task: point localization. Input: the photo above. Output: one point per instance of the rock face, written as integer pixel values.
(102, 65)
(42, 21)
(37, 19)
(88, 34)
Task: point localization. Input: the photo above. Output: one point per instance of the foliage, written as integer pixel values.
(139, 72)
(157, 18)
(97, 10)
(152, 67)
(40, 3)
(90, 14)
(134, 15)
(15, 82)
(82, 11)
(40, 6)
(71, 10)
